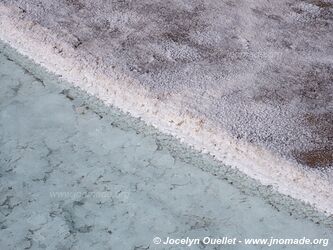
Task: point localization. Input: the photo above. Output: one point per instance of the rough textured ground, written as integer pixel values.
(259, 72)
(73, 176)
(262, 70)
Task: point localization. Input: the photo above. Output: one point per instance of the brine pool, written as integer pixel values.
(75, 174)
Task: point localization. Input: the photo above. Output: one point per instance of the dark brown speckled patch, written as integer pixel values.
(315, 158)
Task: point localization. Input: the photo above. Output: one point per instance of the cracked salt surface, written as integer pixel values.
(78, 175)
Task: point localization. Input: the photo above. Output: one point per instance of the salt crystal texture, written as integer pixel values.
(247, 81)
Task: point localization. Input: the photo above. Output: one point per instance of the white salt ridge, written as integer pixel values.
(91, 177)
(202, 72)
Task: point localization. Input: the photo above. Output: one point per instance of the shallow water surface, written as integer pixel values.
(75, 178)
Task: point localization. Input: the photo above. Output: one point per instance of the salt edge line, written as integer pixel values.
(258, 163)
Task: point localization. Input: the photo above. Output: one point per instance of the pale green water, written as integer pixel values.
(77, 175)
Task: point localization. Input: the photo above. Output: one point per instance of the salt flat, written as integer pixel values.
(75, 174)
(247, 81)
